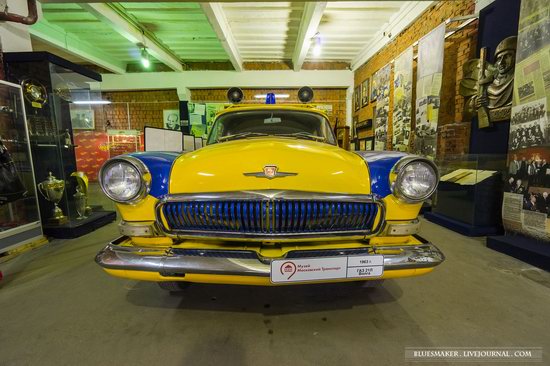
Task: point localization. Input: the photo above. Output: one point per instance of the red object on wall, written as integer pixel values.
(121, 144)
(91, 152)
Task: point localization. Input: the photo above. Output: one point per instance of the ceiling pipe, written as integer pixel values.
(28, 20)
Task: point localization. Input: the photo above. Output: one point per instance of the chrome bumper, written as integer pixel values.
(178, 262)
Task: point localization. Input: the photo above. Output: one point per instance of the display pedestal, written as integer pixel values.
(534, 252)
(469, 195)
(76, 228)
(461, 227)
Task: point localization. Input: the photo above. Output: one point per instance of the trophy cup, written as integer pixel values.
(80, 203)
(81, 195)
(52, 190)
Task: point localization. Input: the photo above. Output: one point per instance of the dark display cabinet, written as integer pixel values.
(469, 195)
(19, 214)
(57, 100)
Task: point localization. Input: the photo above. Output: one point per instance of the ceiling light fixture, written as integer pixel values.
(263, 96)
(145, 58)
(316, 51)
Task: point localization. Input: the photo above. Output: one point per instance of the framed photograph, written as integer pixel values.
(82, 118)
(365, 92)
(367, 123)
(373, 89)
(369, 143)
(363, 144)
(171, 119)
(357, 98)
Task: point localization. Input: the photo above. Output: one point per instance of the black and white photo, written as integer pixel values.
(529, 125)
(82, 118)
(172, 119)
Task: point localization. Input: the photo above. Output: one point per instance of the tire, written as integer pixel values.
(173, 286)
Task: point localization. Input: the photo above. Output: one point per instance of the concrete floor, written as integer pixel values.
(57, 307)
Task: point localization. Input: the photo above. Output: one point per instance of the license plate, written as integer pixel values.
(326, 268)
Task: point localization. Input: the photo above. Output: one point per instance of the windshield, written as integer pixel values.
(283, 123)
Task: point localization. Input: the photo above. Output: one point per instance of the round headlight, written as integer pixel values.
(416, 180)
(123, 179)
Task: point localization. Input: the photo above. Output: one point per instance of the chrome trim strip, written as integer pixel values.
(277, 175)
(402, 228)
(143, 228)
(263, 173)
(165, 262)
(267, 195)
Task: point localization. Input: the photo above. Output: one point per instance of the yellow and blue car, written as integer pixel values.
(270, 200)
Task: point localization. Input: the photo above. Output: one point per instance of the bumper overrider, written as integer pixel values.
(174, 262)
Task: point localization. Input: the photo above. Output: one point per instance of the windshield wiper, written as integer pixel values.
(305, 135)
(240, 136)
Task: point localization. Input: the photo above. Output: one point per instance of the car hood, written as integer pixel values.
(319, 167)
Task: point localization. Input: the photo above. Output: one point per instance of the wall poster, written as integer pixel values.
(373, 88)
(211, 110)
(171, 119)
(91, 151)
(382, 77)
(124, 142)
(365, 92)
(327, 108)
(357, 98)
(197, 118)
(402, 100)
(428, 87)
(526, 204)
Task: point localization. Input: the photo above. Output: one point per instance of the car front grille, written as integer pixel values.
(269, 216)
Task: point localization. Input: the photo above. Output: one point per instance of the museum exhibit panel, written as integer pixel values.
(55, 93)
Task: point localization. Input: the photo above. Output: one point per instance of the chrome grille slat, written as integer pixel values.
(265, 217)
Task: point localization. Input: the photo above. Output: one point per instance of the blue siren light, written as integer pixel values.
(270, 98)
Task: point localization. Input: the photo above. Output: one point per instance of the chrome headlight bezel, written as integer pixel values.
(397, 171)
(136, 164)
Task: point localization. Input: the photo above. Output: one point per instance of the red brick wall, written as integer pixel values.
(145, 106)
(459, 48)
(336, 97)
(141, 107)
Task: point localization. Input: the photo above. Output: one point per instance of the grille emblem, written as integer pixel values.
(270, 172)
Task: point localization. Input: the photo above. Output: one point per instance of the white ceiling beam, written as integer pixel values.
(218, 21)
(408, 13)
(57, 37)
(132, 33)
(226, 79)
(311, 17)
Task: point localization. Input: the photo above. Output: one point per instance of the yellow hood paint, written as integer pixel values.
(219, 167)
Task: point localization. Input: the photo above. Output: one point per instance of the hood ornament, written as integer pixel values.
(270, 172)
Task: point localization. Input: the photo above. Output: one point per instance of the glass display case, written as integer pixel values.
(58, 102)
(469, 195)
(19, 214)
